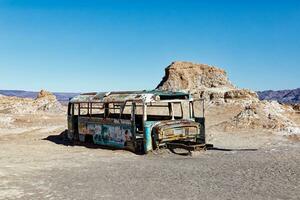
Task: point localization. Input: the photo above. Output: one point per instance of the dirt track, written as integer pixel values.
(36, 166)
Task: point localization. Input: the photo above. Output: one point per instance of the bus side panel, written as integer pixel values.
(108, 132)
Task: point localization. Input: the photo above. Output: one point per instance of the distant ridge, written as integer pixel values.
(282, 96)
(62, 97)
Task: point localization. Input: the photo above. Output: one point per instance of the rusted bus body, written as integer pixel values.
(176, 130)
(138, 121)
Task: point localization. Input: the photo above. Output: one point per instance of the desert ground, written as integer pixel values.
(38, 163)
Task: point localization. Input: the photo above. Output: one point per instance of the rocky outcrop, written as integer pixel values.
(192, 77)
(46, 101)
(204, 81)
(45, 94)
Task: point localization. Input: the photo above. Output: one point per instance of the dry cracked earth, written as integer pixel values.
(37, 163)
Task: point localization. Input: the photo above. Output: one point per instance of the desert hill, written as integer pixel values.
(282, 96)
(26, 115)
(62, 97)
(44, 102)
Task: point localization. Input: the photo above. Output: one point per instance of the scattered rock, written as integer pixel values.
(296, 107)
(247, 118)
(6, 121)
(240, 94)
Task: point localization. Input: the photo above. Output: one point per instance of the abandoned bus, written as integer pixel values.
(137, 120)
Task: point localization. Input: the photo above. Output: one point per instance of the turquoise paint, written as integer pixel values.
(103, 140)
(109, 143)
(147, 136)
(104, 136)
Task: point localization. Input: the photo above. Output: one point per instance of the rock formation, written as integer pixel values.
(45, 94)
(46, 101)
(212, 84)
(204, 81)
(192, 77)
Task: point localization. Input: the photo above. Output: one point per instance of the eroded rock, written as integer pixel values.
(191, 76)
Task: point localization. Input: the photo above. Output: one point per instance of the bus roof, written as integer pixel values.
(146, 96)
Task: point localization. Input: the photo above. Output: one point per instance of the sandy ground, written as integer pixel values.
(36, 163)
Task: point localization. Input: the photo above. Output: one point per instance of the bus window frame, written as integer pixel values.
(94, 108)
(169, 105)
(70, 109)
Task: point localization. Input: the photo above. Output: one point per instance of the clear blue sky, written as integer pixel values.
(81, 45)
